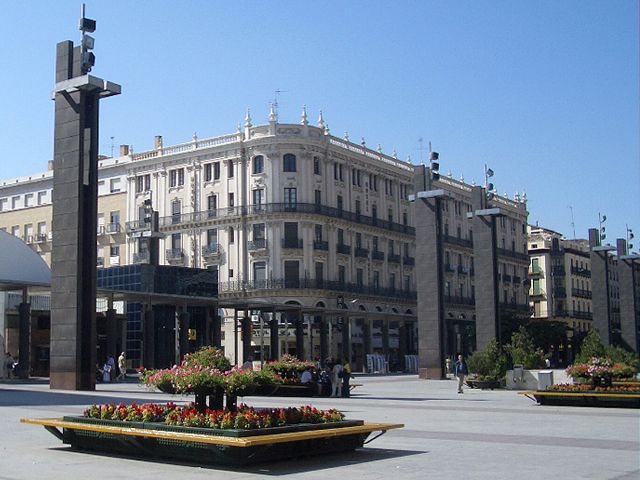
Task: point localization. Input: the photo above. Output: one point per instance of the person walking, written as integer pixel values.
(336, 379)
(346, 375)
(460, 371)
(122, 368)
(10, 365)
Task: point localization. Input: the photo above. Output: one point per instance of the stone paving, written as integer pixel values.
(476, 435)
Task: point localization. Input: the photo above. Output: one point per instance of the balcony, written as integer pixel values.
(538, 294)
(136, 226)
(461, 242)
(503, 252)
(211, 253)
(343, 249)
(517, 280)
(506, 278)
(583, 272)
(561, 313)
(377, 255)
(560, 292)
(394, 258)
(141, 257)
(320, 245)
(174, 256)
(558, 271)
(582, 315)
(361, 252)
(536, 272)
(515, 307)
(409, 261)
(41, 238)
(306, 283)
(292, 243)
(258, 244)
(579, 292)
(112, 228)
(458, 300)
(461, 269)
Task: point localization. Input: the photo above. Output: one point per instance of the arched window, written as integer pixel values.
(289, 163)
(258, 164)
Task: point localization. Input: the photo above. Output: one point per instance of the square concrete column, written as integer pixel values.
(629, 284)
(149, 337)
(346, 339)
(324, 338)
(299, 328)
(274, 340)
(24, 339)
(599, 257)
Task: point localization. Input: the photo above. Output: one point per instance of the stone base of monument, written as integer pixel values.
(153, 441)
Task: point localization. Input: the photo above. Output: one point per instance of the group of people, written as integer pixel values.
(329, 379)
(108, 372)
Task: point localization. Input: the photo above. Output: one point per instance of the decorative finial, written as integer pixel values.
(516, 197)
(239, 128)
(450, 175)
(273, 117)
(363, 143)
(379, 148)
(524, 197)
(326, 130)
(303, 116)
(195, 136)
(346, 136)
(473, 183)
(320, 120)
(394, 154)
(247, 119)
(462, 178)
(408, 158)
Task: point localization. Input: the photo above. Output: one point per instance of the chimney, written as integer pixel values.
(124, 150)
(158, 142)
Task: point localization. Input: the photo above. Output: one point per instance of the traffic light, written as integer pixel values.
(148, 210)
(435, 165)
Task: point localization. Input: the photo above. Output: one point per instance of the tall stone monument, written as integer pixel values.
(75, 199)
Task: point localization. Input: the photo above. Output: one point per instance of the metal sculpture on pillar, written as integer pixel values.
(75, 199)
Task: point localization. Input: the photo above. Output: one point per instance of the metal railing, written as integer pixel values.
(582, 315)
(462, 242)
(583, 272)
(174, 254)
(458, 300)
(141, 257)
(361, 252)
(258, 244)
(393, 258)
(212, 250)
(344, 249)
(560, 292)
(579, 292)
(306, 283)
(377, 255)
(408, 260)
(503, 252)
(320, 245)
(291, 243)
(558, 271)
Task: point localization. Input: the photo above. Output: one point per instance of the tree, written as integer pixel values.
(590, 347)
(490, 364)
(522, 350)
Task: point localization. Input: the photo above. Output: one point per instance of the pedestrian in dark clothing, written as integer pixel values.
(460, 370)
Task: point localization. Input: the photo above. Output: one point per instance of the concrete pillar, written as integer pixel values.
(184, 321)
(246, 327)
(366, 342)
(24, 357)
(629, 279)
(274, 339)
(346, 339)
(599, 257)
(324, 338)
(149, 337)
(112, 332)
(402, 344)
(429, 278)
(299, 326)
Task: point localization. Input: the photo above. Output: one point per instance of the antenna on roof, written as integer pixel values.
(276, 94)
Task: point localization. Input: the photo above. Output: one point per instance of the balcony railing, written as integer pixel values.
(516, 280)
(579, 292)
(536, 272)
(320, 245)
(583, 272)
(344, 249)
(291, 243)
(517, 307)
(394, 258)
(582, 315)
(141, 257)
(258, 244)
(408, 260)
(306, 283)
(211, 251)
(361, 252)
(185, 219)
(458, 300)
(506, 278)
(462, 242)
(174, 254)
(112, 228)
(377, 255)
(503, 252)
(41, 237)
(538, 293)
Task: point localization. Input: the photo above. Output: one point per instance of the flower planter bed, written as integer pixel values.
(585, 399)
(209, 446)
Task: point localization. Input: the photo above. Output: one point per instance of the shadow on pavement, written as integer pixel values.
(14, 398)
(282, 467)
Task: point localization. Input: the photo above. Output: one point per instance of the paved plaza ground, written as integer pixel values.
(477, 435)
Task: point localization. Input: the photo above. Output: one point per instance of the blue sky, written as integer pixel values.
(544, 92)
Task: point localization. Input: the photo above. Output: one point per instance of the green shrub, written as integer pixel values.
(590, 347)
(620, 355)
(490, 364)
(522, 350)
